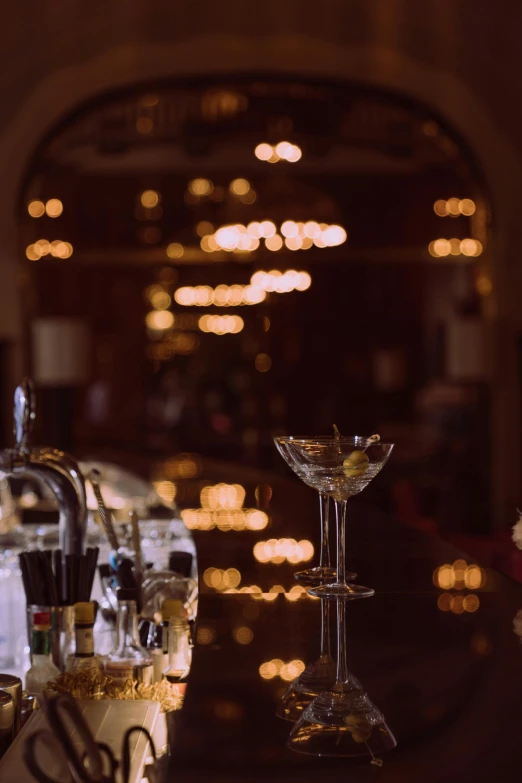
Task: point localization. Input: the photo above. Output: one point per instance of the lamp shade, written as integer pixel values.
(60, 352)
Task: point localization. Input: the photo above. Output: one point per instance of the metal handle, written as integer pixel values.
(23, 413)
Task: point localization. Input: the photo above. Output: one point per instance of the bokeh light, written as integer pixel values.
(53, 207)
(36, 208)
(150, 198)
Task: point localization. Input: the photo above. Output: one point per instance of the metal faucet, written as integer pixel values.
(55, 468)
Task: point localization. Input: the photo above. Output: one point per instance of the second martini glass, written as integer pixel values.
(339, 467)
(324, 572)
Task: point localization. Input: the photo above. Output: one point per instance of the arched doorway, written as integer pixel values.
(126, 217)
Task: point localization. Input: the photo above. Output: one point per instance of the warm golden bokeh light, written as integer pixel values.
(221, 296)
(263, 362)
(150, 198)
(221, 324)
(160, 300)
(274, 243)
(455, 247)
(263, 151)
(36, 209)
(175, 250)
(204, 227)
(278, 551)
(459, 575)
(205, 635)
(166, 490)
(243, 634)
(467, 207)
(222, 496)
(277, 668)
(31, 253)
(159, 320)
(201, 187)
(54, 208)
(454, 207)
(224, 519)
(240, 186)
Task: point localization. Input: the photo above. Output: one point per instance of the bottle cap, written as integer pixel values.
(42, 618)
(126, 594)
(84, 612)
(171, 607)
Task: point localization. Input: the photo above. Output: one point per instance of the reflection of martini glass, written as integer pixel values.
(317, 677)
(340, 468)
(342, 721)
(324, 571)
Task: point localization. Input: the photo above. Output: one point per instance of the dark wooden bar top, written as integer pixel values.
(447, 674)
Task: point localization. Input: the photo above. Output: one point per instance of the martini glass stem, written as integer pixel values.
(324, 504)
(340, 515)
(325, 628)
(342, 667)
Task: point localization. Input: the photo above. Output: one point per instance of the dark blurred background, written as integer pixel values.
(131, 136)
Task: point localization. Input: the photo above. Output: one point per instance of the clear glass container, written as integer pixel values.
(43, 668)
(180, 651)
(128, 659)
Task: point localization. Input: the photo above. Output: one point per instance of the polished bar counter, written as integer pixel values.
(444, 666)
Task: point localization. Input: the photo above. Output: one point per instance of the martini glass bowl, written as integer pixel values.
(324, 572)
(340, 468)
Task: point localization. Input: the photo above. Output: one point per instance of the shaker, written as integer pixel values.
(13, 686)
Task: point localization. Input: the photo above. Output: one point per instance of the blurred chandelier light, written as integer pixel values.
(441, 248)
(454, 207)
(221, 296)
(281, 282)
(57, 248)
(277, 550)
(294, 236)
(273, 153)
(221, 324)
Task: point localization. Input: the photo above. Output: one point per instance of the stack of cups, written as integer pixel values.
(10, 709)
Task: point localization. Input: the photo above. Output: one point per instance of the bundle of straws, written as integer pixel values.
(50, 579)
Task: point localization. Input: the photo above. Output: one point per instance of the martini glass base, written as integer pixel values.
(342, 724)
(347, 592)
(321, 574)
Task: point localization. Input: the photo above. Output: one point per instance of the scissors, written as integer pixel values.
(86, 761)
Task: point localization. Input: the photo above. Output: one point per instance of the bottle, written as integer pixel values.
(43, 668)
(158, 636)
(128, 659)
(179, 647)
(84, 657)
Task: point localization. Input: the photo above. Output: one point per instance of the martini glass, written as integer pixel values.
(324, 572)
(340, 468)
(342, 721)
(317, 677)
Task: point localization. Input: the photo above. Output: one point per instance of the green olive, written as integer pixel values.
(356, 464)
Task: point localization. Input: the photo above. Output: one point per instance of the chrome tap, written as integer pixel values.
(55, 468)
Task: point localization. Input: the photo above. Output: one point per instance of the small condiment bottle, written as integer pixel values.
(43, 668)
(84, 657)
(179, 647)
(159, 636)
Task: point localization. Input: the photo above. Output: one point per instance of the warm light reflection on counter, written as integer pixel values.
(459, 576)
